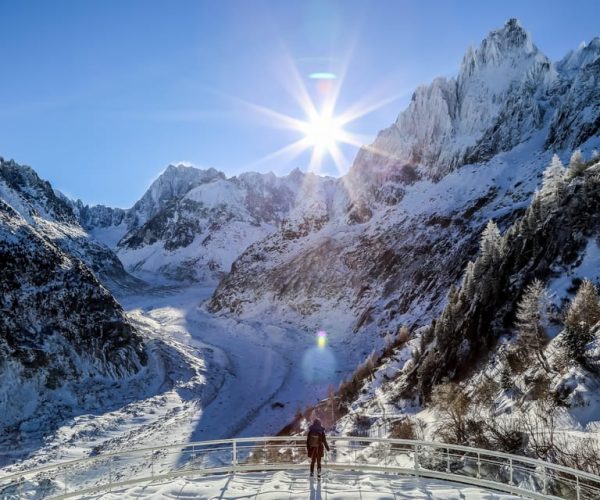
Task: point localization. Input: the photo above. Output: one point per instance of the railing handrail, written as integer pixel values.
(301, 439)
(410, 442)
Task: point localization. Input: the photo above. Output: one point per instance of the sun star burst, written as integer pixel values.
(322, 131)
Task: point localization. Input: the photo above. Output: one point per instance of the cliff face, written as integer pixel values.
(55, 217)
(59, 326)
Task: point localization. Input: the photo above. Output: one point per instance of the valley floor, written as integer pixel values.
(208, 378)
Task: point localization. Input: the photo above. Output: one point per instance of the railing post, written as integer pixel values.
(234, 454)
(544, 481)
(65, 488)
(478, 466)
(511, 482)
(416, 459)
(577, 486)
(265, 451)
(448, 460)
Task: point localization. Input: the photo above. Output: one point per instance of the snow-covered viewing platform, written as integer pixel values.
(283, 485)
(277, 467)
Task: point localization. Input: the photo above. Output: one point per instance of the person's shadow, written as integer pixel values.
(315, 489)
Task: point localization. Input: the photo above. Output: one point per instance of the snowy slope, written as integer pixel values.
(192, 224)
(404, 221)
(60, 329)
(473, 377)
(53, 215)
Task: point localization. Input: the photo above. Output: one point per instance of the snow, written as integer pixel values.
(219, 192)
(110, 235)
(219, 376)
(295, 485)
(587, 267)
(10, 197)
(193, 260)
(208, 378)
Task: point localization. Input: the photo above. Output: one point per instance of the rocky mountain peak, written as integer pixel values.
(37, 195)
(507, 46)
(173, 183)
(585, 54)
(469, 118)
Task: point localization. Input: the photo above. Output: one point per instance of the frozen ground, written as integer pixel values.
(208, 378)
(283, 485)
(266, 365)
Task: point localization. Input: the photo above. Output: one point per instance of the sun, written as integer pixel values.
(323, 132)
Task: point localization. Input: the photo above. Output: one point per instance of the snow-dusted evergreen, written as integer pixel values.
(507, 364)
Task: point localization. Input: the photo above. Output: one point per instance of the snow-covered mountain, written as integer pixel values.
(508, 103)
(60, 330)
(193, 223)
(52, 214)
(407, 216)
(513, 361)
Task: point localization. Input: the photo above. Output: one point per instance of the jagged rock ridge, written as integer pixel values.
(406, 216)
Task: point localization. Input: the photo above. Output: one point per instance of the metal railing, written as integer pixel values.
(460, 464)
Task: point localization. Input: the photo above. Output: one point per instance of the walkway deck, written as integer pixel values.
(284, 485)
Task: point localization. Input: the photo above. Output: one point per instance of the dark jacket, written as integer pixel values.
(316, 451)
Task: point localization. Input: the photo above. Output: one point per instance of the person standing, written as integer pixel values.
(315, 443)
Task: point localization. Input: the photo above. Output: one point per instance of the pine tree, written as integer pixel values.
(533, 216)
(486, 268)
(576, 164)
(491, 244)
(532, 314)
(468, 284)
(582, 315)
(553, 187)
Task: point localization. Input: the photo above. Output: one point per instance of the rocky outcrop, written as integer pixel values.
(59, 327)
(192, 224)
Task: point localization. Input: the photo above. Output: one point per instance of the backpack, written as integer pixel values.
(314, 440)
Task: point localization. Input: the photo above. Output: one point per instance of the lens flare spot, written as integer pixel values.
(322, 75)
(321, 339)
(324, 87)
(318, 365)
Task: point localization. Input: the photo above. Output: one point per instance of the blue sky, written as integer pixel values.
(99, 96)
